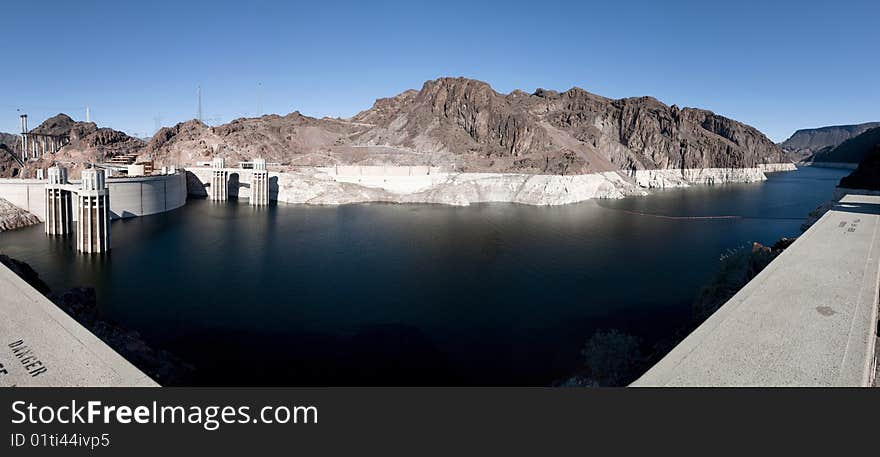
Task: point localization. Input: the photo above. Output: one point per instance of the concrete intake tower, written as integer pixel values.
(93, 224)
(59, 203)
(260, 184)
(218, 189)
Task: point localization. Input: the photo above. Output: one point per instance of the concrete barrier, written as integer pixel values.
(808, 319)
(40, 345)
(129, 197)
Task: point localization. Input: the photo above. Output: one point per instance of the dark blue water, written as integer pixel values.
(495, 294)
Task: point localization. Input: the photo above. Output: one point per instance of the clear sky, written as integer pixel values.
(777, 65)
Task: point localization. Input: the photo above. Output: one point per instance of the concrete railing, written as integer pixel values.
(40, 345)
(808, 319)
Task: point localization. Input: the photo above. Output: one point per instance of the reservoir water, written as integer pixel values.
(383, 294)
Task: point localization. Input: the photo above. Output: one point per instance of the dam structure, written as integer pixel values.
(93, 224)
(218, 188)
(259, 184)
(808, 319)
(251, 180)
(59, 203)
(132, 196)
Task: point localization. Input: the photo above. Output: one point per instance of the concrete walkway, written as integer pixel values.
(40, 345)
(808, 319)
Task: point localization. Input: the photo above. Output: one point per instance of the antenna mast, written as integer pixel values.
(199, 94)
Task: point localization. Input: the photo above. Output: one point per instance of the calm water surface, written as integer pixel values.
(495, 294)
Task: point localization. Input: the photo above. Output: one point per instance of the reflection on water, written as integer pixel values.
(495, 294)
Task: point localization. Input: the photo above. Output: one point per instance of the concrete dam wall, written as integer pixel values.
(239, 183)
(129, 197)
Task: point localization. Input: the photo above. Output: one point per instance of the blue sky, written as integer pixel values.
(777, 65)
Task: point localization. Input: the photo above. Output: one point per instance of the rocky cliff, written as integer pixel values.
(464, 125)
(803, 143)
(572, 132)
(290, 139)
(13, 217)
(853, 150)
(867, 176)
(10, 145)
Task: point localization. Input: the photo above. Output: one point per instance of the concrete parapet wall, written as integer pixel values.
(129, 197)
(840, 192)
(41, 346)
(808, 319)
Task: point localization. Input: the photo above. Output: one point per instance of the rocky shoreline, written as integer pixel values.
(13, 217)
(671, 178)
(324, 186)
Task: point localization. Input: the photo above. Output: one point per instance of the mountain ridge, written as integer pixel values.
(803, 143)
(462, 125)
(853, 150)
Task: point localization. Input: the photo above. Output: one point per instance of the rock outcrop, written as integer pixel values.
(547, 132)
(10, 147)
(463, 125)
(292, 139)
(88, 144)
(853, 150)
(805, 142)
(867, 175)
(13, 217)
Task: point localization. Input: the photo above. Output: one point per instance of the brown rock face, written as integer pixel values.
(13, 217)
(293, 138)
(805, 142)
(461, 124)
(10, 145)
(571, 132)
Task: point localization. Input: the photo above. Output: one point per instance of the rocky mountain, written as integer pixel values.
(551, 132)
(853, 150)
(867, 176)
(88, 143)
(459, 124)
(294, 139)
(463, 124)
(803, 143)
